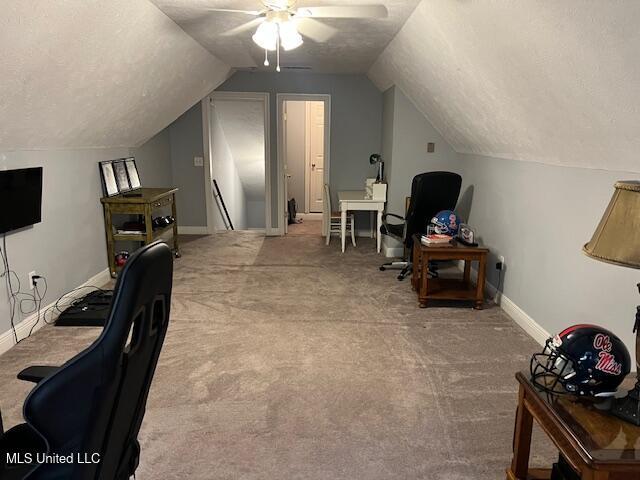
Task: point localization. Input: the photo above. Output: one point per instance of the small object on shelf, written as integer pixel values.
(108, 176)
(130, 232)
(122, 179)
(132, 173)
(121, 258)
(467, 236)
(436, 239)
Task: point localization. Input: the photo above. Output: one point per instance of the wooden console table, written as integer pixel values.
(143, 201)
(448, 288)
(595, 444)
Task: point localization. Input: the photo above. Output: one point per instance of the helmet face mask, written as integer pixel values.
(585, 361)
(552, 371)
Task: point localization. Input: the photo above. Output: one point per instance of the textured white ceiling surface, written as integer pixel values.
(89, 73)
(533, 80)
(353, 49)
(242, 122)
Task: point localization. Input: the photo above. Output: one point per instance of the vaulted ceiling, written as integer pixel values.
(91, 73)
(535, 80)
(353, 49)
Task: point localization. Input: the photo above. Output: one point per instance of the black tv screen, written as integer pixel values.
(20, 198)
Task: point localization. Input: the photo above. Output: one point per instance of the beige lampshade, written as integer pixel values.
(617, 238)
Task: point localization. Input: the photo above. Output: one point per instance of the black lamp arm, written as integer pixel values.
(636, 326)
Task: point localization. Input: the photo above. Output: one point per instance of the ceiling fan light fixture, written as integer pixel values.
(266, 35)
(290, 38)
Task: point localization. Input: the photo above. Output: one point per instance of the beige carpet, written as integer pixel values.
(307, 227)
(286, 359)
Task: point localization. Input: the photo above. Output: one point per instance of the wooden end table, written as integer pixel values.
(448, 288)
(597, 445)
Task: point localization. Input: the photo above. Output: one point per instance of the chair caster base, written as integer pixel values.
(382, 269)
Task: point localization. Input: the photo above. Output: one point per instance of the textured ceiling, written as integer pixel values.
(352, 50)
(242, 122)
(89, 73)
(534, 80)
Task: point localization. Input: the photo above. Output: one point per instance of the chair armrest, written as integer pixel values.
(36, 374)
(384, 217)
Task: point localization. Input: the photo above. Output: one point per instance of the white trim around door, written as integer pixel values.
(208, 141)
(299, 97)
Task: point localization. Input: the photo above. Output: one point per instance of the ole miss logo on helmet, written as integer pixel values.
(606, 361)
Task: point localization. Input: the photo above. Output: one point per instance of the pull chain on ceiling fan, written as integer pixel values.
(281, 24)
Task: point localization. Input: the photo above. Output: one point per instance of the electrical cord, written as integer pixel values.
(16, 297)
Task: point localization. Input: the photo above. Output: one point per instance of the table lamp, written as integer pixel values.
(617, 241)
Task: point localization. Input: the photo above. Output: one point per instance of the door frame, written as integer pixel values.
(299, 97)
(207, 104)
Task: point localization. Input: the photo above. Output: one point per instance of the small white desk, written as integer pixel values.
(356, 200)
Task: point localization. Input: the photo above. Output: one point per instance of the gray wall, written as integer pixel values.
(409, 157)
(228, 180)
(296, 151)
(356, 122)
(539, 217)
(68, 246)
(154, 161)
(186, 143)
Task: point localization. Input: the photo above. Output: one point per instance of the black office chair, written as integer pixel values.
(430, 193)
(95, 402)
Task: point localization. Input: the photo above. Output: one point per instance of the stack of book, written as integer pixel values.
(436, 239)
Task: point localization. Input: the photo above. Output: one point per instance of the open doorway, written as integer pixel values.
(305, 148)
(239, 161)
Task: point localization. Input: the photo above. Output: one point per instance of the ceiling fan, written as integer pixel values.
(282, 23)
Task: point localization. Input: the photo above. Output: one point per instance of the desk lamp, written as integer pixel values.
(617, 241)
(377, 158)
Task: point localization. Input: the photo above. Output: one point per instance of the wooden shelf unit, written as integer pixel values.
(143, 202)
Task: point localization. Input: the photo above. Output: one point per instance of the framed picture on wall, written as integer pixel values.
(122, 178)
(132, 172)
(108, 176)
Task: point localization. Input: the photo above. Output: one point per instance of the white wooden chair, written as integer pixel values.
(334, 220)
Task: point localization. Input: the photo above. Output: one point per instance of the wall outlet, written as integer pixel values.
(431, 147)
(32, 284)
(500, 264)
(198, 162)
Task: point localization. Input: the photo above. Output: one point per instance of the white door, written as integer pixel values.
(315, 155)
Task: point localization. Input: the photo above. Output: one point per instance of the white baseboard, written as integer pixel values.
(517, 314)
(193, 230)
(7, 340)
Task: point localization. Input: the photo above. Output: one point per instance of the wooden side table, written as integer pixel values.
(597, 445)
(447, 288)
(143, 201)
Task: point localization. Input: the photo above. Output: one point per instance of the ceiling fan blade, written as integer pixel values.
(243, 28)
(356, 11)
(315, 30)
(253, 13)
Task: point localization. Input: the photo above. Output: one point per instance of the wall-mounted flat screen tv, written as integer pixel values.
(20, 198)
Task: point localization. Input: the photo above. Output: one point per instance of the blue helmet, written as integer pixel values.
(447, 222)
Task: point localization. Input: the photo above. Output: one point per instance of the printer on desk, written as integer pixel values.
(375, 190)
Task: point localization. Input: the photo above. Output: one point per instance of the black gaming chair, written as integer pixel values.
(95, 403)
(430, 193)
